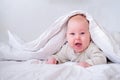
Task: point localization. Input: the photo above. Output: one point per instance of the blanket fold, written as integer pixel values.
(53, 39)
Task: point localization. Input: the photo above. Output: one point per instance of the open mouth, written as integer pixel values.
(78, 44)
(77, 47)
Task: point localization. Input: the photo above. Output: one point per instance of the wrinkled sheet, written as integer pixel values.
(27, 70)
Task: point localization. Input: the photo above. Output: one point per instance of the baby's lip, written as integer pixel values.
(78, 44)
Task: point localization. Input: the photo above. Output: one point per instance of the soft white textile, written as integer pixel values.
(10, 70)
(52, 39)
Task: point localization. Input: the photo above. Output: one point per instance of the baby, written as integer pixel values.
(79, 47)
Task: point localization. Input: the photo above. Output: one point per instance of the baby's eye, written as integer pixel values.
(72, 33)
(82, 33)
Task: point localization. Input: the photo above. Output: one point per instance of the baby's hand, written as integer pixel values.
(51, 60)
(84, 64)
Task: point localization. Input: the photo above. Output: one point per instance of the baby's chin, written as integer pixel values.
(78, 51)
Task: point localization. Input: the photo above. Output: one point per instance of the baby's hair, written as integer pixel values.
(79, 14)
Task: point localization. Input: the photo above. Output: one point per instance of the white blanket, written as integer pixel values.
(52, 39)
(10, 70)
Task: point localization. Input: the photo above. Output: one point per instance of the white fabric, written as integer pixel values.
(52, 39)
(10, 70)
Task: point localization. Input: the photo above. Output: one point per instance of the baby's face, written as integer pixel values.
(78, 35)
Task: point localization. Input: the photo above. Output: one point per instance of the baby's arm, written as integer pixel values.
(57, 58)
(96, 56)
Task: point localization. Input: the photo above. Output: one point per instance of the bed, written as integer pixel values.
(17, 57)
(26, 70)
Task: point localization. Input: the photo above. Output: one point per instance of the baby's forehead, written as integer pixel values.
(77, 17)
(77, 20)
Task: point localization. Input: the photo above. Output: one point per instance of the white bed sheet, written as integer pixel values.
(12, 70)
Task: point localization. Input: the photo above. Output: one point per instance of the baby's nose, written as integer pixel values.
(77, 37)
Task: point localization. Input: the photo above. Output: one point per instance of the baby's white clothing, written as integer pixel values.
(92, 55)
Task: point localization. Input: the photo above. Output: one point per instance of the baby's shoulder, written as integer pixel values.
(93, 47)
(92, 44)
(66, 46)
